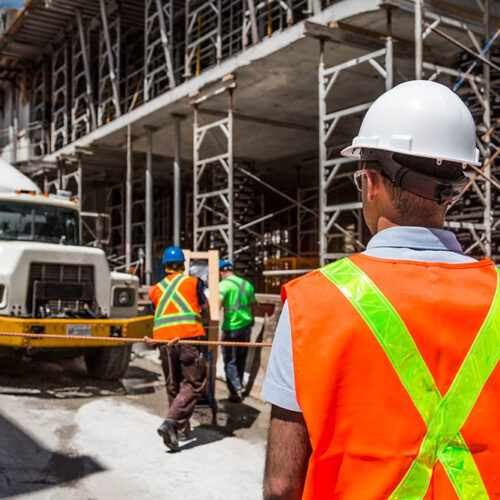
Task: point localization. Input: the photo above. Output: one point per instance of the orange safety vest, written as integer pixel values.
(365, 429)
(177, 311)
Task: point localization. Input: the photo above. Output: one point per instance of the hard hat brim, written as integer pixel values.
(355, 152)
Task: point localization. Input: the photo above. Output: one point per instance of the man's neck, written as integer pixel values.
(169, 272)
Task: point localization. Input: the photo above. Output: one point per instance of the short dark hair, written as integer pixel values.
(175, 266)
(407, 203)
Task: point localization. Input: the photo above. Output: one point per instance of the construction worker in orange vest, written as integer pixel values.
(178, 301)
(383, 373)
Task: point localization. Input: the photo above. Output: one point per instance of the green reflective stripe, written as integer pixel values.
(171, 294)
(177, 319)
(401, 350)
(182, 303)
(458, 402)
(163, 284)
(390, 331)
(170, 288)
(238, 308)
(237, 303)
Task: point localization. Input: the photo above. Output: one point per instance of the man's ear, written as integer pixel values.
(372, 184)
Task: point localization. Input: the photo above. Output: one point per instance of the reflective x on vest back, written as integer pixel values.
(241, 292)
(186, 314)
(443, 416)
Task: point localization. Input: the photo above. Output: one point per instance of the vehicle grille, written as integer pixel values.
(65, 275)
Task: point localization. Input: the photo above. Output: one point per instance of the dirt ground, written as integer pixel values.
(65, 436)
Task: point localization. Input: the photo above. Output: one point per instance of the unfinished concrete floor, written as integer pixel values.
(64, 436)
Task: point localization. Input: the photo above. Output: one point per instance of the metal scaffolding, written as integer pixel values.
(39, 135)
(473, 212)
(331, 168)
(109, 64)
(213, 218)
(145, 49)
(83, 116)
(60, 96)
(158, 42)
(203, 36)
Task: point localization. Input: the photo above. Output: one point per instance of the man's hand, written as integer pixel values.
(288, 452)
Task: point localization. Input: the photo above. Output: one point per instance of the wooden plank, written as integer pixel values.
(212, 256)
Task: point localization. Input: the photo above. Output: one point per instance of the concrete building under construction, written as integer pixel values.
(219, 123)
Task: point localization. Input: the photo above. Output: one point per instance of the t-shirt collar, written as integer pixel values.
(418, 238)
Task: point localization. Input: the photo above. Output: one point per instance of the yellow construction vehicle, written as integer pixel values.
(50, 284)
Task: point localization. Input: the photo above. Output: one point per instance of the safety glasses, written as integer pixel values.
(358, 177)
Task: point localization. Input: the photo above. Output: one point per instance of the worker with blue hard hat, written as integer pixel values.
(225, 265)
(237, 297)
(173, 254)
(179, 300)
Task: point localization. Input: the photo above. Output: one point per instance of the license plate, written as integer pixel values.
(79, 330)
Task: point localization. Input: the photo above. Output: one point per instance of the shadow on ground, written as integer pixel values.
(231, 417)
(26, 466)
(66, 379)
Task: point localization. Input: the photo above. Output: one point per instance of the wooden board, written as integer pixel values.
(212, 256)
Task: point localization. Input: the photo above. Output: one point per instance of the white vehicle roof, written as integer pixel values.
(12, 180)
(38, 199)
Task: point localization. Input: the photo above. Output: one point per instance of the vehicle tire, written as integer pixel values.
(108, 363)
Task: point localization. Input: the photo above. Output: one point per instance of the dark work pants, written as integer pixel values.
(185, 379)
(235, 358)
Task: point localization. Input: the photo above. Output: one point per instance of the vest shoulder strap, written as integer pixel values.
(237, 305)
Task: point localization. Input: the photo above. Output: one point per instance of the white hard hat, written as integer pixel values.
(419, 118)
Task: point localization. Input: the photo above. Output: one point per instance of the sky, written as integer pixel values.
(18, 4)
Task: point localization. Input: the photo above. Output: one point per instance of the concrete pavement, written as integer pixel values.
(64, 436)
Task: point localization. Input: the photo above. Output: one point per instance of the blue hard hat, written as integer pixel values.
(173, 254)
(225, 263)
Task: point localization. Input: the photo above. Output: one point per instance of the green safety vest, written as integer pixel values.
(186, 314)
(444, 415)
(237, 306)
(243, 300)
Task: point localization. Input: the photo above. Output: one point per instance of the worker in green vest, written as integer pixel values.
(237, 297)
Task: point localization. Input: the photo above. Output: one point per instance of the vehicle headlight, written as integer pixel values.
(2, 296)
(124, 297)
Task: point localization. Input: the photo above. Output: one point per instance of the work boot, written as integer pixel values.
(184, 436)
(169, 435)
(236, 397)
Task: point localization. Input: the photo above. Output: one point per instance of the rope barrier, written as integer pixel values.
(145, 340)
